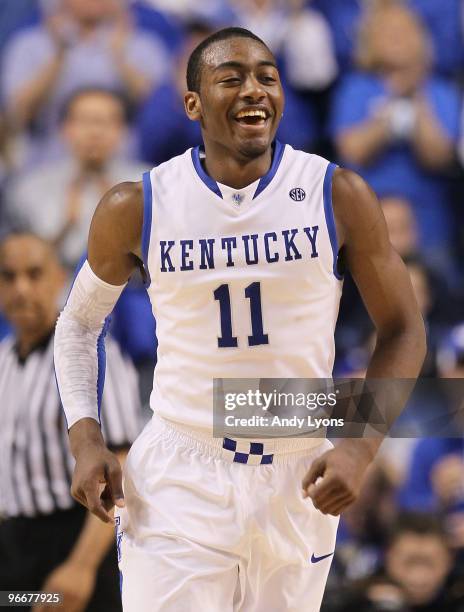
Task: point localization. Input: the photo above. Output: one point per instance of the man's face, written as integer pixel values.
(94, 127)
(400, 49)
(401, 224)
(30, 282)
(92, 11)
(419, 564)
(421, 287)
(241, 99)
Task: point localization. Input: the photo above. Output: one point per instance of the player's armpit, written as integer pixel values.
(114, 248)
(381, 277)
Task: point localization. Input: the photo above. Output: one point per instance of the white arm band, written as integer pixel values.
(79, 349)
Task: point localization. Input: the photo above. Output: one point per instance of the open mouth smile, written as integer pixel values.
(253, 117)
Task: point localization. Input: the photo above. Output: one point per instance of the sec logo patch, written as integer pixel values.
(297, 194)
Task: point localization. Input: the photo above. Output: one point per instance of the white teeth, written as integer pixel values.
(251, 113)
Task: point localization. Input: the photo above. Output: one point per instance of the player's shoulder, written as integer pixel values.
(292, 155)
(349, 187)
(178, 171)
(173, 164)
(119, 214)
(125, 199)
(355, 206)
(309, 167)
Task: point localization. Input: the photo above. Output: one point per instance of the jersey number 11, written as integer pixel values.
(253, 293)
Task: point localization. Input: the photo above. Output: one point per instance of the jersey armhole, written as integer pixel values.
(329, 217)
(147, 220)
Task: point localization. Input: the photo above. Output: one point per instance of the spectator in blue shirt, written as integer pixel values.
(441, 18)
(435, 480)
(397, 125)
(15, 14)
(81, 43)
(343, 17)
(431, 481)
(161, 24)
(163, 128)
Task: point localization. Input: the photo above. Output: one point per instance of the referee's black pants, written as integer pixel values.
(30, 548)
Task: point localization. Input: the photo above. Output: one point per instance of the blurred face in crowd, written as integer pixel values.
(90, 12)
(257, 5)
(419, 563)
(451, 361)
(238, 75)
(402, 228)
(421, 287)
(456, 371)
(31, 280)
(94, 127)
(397, 49)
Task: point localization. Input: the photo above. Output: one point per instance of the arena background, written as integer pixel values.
(91, 94)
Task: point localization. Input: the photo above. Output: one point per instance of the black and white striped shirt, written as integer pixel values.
(35, 460)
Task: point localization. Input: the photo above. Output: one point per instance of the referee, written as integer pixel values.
(47, 541)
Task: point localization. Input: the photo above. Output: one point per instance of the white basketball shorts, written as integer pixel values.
(202, 530)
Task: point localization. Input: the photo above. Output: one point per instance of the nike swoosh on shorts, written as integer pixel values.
(315, 559)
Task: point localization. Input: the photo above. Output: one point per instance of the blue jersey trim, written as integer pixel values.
(264, 181)
(207, 180)
(329, 216)
(147, 220)
(278, 151)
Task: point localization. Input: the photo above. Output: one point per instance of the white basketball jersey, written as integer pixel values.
(243, 281)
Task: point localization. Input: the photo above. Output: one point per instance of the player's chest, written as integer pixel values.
(211, 237)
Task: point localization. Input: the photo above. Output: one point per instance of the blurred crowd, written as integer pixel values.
(91, 94)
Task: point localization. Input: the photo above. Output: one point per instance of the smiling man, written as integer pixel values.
(242, 242)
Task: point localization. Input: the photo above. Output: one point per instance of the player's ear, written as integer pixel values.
(192, 105)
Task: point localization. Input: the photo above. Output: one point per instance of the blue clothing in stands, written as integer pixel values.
(416, 492)
(444, 23)
(133, 324)
(441, 18)
(396, 170)
(15, 14)
(298, 127)
(162, 25)
(5, 327)
(343, 17)
(164, 130)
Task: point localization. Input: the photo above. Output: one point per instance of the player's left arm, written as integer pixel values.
(385, 287)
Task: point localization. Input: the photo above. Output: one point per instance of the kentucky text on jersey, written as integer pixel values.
(287, 245)
(245, 288)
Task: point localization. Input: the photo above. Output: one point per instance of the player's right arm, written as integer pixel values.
(114, 252)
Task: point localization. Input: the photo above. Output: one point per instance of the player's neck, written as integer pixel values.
(234, 172)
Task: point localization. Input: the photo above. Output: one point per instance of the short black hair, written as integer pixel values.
(418, 523)
(24, 232)
(195, 63)
(81, 92)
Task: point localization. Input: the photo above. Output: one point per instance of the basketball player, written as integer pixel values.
(240, 241)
